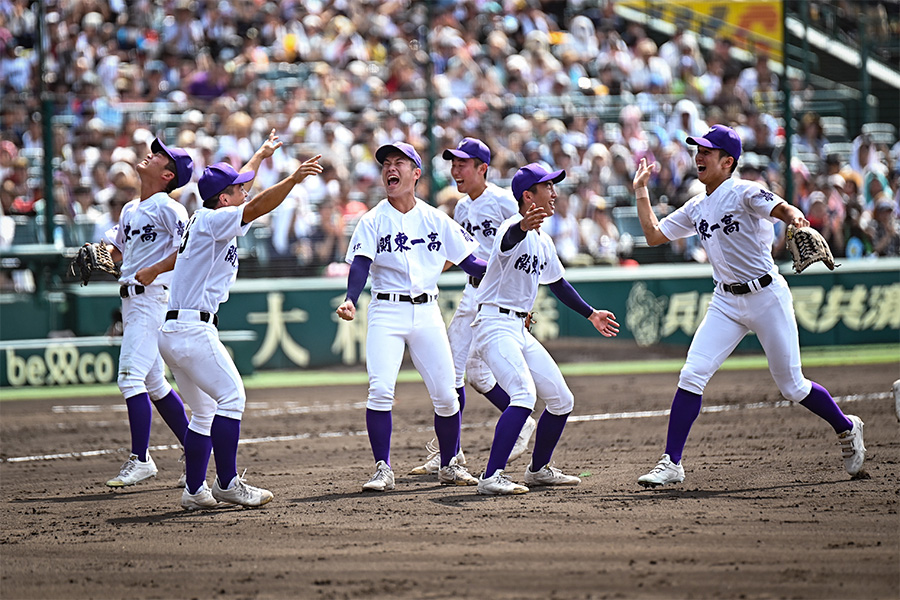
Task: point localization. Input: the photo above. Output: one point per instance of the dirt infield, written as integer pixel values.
(766, 511)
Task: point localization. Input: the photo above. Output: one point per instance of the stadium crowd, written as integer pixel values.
(568, 84)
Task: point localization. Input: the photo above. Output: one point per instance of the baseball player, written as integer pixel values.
(734, 222)
(406, 244)
(522, 257)
(145, 240)
(481, 211)
(206, 268)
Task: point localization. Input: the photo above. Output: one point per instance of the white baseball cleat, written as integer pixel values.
(665, 472)
(133, 471)
(241, 493)
(382, 480)
(524, 438)
(433, 462)
(549, 476)
(203, 499)
(456, 475)
(499, 484)
(852, 447)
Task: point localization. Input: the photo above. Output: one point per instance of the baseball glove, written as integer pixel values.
(807, 246)
(90, 258)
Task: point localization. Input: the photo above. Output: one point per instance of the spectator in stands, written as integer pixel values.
(884, 229)
(599, 235)
(810, 136)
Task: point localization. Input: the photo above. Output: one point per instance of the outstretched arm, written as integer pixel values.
(791, 215)
(649, 222)
(268, 199)
(602, 320)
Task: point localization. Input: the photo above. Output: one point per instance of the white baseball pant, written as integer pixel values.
(391, 327)
(466, 363)
(207, 378)
(522, 366)
(141, 367)
(770, 313)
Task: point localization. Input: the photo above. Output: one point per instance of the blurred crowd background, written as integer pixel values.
(570, 84)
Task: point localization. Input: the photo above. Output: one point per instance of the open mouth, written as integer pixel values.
(393, 180)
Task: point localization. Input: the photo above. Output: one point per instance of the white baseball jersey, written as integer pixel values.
(148, 232)
(408, 250)
(734, 227)
(522, 366)
(207, 261)
(482, 216)
(512, 277)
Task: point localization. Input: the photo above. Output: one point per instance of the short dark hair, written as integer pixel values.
(173, 183)
(723, 154)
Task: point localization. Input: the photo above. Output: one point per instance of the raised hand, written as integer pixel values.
(533, 218)
(642, 175)
(270, 145)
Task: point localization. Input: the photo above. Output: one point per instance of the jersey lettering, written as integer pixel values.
(232, 256)
(705, 230)
(400, 240)
(530, 264)
(148, 234)
(186, 233)
(487, 226)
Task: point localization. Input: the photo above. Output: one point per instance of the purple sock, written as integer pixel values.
(505, 435)
(685, 408)
(171, 409)
(820, 402)
(498, 397)
(196, 459)
(447, 431)
(461, 392)
(379, 426)
(140, 414)
(549, 430)
(225, 433)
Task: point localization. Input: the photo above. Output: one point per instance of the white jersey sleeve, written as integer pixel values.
(483, 216)
(207, 262)
(149, 232)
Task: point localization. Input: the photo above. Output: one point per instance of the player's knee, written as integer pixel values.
(562, 404)
(691, 381)
(130, 385)
(446, 405)
(795, 390)
(201, 421)
(232, 407)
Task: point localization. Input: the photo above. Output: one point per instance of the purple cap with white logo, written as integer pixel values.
(532, 174)
(219, 176)
(403, 148)
(470, 148)
(720, 137)
(184, 166)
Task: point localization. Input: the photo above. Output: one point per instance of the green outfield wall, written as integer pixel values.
(58, 338)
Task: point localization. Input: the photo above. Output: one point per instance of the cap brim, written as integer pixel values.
(555, 176)
(158, 146)
(701, 141)
(244, 177)
(451, 154)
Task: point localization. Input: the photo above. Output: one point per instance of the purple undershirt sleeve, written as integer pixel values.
(356, 280)
(563, 290)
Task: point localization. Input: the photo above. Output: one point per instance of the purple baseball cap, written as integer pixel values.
(184, 166)
(532, 174)
(402, 148)
(219, 176)
(720, 137)
(470, 148)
